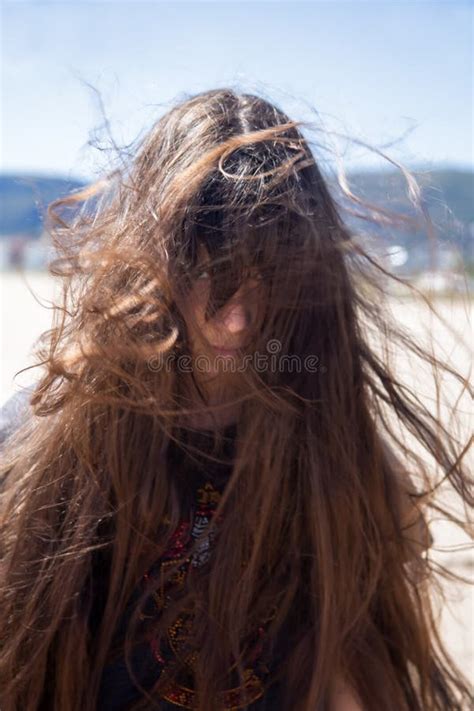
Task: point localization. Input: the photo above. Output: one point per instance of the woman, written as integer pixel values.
(205, 508)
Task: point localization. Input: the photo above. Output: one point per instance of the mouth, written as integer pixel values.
(225, 351)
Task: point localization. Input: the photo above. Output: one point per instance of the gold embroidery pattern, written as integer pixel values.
(181, 693)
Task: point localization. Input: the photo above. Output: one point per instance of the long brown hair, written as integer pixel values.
(313, 521)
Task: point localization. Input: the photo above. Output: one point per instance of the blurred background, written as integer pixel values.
(81, 77)
(76, 75)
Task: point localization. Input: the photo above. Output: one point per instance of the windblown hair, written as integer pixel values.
(318, 517)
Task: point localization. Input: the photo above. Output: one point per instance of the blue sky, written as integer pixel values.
(374, 70)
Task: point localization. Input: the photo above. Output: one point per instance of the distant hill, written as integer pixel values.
(447, 194)
(24, 199)
(454, 187)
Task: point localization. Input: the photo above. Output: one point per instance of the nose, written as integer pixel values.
(235, 319)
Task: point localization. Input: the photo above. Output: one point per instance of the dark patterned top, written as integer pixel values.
(206, 481)
(203, 482)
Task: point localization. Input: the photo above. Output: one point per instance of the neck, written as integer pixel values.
(227, 412)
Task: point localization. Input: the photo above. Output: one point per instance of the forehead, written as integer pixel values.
(202, 253)
(227, 278)
(226, 264)
(228, 275)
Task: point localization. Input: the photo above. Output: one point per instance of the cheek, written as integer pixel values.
(196, 306)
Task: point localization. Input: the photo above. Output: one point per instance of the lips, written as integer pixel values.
(225, 351)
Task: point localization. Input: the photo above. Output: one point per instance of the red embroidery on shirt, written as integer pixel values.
(179, 693)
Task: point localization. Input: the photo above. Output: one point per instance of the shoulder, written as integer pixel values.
(412, 521)
(13, 411)
(344, 698)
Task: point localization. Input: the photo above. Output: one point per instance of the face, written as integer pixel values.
(228, 331)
